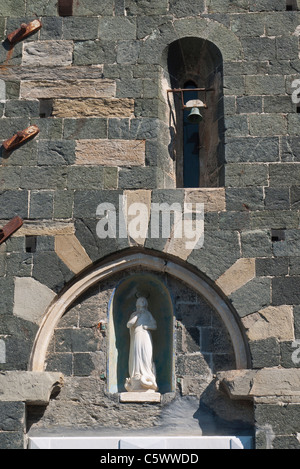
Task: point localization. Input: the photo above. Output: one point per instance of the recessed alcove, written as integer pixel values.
(122, 304)
(198, 61)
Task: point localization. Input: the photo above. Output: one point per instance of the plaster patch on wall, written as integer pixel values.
(31, 299)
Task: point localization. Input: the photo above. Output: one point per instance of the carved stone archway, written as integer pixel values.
(148, 261)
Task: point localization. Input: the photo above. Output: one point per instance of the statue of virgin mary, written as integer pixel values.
(142, 375)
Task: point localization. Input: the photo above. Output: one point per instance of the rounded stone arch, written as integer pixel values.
(154, 47)
(155, 262)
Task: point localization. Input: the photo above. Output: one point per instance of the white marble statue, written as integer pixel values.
(142, 375)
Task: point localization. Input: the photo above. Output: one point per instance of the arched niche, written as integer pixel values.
(198, 61)
(150, 261)
(121, 305)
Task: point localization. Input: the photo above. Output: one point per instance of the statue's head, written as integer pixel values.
(142, 303)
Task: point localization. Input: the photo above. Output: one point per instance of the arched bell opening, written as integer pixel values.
(198, 150)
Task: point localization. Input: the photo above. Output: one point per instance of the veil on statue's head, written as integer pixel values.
(142, 302)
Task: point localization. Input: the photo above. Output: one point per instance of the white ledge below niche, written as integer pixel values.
(140, 397)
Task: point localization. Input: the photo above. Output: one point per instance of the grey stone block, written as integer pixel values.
(92, 8)
(287, 358)
(234, 85)
(290, 149)
(242, 150)
(60, 362)
(265, 353)
(79, 28)
(249, 104)
(268, 125)
(283, 419)
(265, 85)
(234, 221)
(50, 129)
(259, 48)
(43, 177)
(56, 152)
(19, 264)
(110, 28)
(208, 259)
(63, 204)
(256, 243)
(184, 8)
(58, 273)
(246, 175)
(239, 199)
(128, 52)
(277, 199)
(12, 440)
(11, 126)
(286, 291)
(284, 175)
(138, 178)
(268, 5)
(52, 28)
(272, 267)
(274, 220)
(252, 297)
(41, 8)
(41, 204)
(144, 7)
(281, 104)
(12, 8)
(16, 108)
(248, 25)
(236, 126)
(85, 128)
(10, 177)
(287, 47)
(223, 6)
(12, 416)
(118, 128)
(82, 177)
(191, 365)
(13, 203)
(94, 52)
(83, 364)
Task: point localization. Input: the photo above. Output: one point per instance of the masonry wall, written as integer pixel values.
(92, 83)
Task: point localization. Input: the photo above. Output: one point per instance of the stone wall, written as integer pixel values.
(93, 83)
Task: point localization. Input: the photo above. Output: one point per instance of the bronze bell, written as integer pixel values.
(195, 116)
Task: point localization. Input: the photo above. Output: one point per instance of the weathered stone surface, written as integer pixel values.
(270, 322)
(45, 73)
(101, 107)
(49, 53)
(110, 152)
(31, 387)
(212, 198)
(68, 89)
(242, 271)
(44, 228)
(31, 299)
(72, 253)
(252, 297)
(245, 384)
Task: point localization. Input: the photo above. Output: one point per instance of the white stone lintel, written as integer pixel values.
(140, 397)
